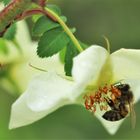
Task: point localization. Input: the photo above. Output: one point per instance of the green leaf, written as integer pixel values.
(3, 46)
(62, 55)
(11, 32)
(52, 42)
(54, 8)
(71, 52)
(44, 24)
(35, 18)
(5, 1)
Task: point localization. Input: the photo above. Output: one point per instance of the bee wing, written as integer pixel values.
(132, 115)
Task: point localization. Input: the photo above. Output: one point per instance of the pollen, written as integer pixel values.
(101, 97)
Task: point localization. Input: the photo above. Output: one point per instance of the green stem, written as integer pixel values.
(67, 30)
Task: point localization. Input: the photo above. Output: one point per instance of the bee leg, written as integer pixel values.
(111, 104)
(123, 110)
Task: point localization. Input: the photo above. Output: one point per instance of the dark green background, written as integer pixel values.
(119, 20)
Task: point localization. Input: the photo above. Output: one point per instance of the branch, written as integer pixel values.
(9, 13)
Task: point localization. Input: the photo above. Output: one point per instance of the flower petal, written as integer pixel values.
(126, 64)
(28, 72)
(111, 127)
(23, 39)
(87, 65)
(45, 94)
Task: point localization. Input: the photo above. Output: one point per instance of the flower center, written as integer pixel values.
(101, 97)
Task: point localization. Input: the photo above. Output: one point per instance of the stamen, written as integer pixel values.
(107, 43)
(101, 98)
(37, 68)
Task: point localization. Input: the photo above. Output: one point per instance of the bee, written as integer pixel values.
(122, 105)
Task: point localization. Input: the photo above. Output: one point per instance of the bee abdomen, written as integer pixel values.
(113, 115)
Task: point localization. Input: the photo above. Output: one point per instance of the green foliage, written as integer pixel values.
(35, 18)
(67, 55)
(44, 24)
(54, 8)
(52, 42)
(5, 1)
(11, 32)
(71, 52)
(3, 46)
(62, 54)
(55, 40)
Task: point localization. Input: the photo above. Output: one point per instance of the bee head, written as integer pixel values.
(123, 87)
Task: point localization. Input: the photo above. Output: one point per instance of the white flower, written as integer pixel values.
(18, 58)
(93, 68)
(20, 71)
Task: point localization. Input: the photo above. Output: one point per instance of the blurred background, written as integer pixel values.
(119, 21)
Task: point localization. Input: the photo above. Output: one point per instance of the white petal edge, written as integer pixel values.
(88, 64)
(126, 64)
(46, 93)
(111, 127)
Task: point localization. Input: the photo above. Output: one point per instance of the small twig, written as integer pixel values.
(10, 12)
(42, 3)
(17, 10)
(34, 12)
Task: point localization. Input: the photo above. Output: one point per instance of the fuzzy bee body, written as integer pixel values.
(116, 113)
(121, 106)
